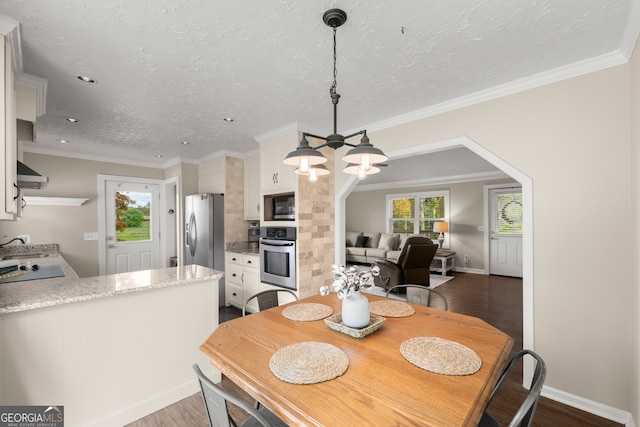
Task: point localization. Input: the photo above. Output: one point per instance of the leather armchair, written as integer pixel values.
(413, 264)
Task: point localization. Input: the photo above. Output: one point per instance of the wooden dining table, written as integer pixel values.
(380, 387)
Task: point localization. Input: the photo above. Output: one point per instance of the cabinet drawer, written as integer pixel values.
(234, 295)
(233, 258)
(234, 274)
(251, 261)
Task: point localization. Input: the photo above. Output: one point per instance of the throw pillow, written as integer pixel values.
(361, 241)
(352, 237)
(388, 241)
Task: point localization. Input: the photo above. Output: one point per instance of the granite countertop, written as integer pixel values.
(32, 294)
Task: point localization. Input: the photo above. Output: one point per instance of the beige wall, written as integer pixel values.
(67, 225)
(572, 139)
(634, 232)
(366, 211)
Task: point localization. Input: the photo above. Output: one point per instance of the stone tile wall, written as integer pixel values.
(316, 222)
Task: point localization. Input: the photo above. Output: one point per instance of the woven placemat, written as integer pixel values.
(440, 356)
(308, 362)
(307, 312)
(391, 308)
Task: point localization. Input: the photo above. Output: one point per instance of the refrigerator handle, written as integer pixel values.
(192, 236)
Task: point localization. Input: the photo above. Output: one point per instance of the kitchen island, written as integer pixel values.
(110, 349)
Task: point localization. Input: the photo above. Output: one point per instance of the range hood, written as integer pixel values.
(28, 178)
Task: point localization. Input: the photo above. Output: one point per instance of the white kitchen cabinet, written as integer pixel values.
(8, 148)
(242, 279)
(276, 177)
(252, 202)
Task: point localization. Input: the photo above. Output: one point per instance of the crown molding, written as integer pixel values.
(10, 28)
(541, 79)
(452, 179)
(631, 31)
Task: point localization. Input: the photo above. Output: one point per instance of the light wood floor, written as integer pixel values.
(495, 299)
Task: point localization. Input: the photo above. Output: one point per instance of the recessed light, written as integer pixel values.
(159, 155)
(228, 119)
(64, 141)
(87, 79)
(72, 120)
(184, 142)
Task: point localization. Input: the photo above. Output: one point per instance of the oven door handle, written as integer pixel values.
(276, 243)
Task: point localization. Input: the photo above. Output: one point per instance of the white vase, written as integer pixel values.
(355, 310)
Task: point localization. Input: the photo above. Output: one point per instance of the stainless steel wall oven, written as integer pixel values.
(278, 256)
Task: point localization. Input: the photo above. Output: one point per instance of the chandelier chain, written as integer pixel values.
(335, 72)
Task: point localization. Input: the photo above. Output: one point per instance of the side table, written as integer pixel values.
(443, 261)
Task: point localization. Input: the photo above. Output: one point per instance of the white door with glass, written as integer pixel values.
(132, 226)
(505, 232)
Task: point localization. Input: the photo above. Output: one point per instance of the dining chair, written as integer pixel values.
(421, 296)
(267, 299)
(215, 402)
(524, 415)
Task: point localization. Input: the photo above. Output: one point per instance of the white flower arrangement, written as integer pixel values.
(349, 280)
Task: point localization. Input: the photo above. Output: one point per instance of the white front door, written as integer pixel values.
(505, 231)
(132, 226)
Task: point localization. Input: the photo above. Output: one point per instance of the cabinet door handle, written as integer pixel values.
(258, 207)
(235, 259)
(249, 261)
(233, 275)
(276, 177)
(273, 178)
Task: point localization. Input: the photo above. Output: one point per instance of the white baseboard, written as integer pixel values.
(469, 270)
(595, 408)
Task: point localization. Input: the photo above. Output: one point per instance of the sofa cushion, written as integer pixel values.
(376, 253)
(393, 255)
(374, 239)
(388, 241)
(361, 242)
(356, 251)
(352, 237)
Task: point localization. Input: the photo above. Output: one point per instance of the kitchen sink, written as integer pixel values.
(22, 256)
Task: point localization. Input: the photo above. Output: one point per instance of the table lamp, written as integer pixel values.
(440, 227)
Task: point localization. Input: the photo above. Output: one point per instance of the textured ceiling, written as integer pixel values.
(170, 71)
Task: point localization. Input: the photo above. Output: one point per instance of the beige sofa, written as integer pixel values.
(367, 247)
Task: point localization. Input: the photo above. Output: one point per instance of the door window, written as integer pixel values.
(133, 216)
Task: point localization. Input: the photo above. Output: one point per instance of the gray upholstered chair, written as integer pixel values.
(524, 415)
(413, 266)
(215, 402)
(420, 295)
(267, 299)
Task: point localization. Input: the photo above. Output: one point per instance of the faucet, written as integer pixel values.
(12, 240)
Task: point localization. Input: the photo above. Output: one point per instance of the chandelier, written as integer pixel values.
(363, 159)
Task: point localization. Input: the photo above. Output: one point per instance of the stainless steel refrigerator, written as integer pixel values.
(204, 233)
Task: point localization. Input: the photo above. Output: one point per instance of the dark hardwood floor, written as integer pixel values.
(495, 299)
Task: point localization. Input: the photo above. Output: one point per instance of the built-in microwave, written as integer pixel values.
(280, 207)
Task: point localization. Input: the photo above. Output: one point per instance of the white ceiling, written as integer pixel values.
(170, 71)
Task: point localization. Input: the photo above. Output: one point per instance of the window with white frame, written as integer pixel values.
(415, 213)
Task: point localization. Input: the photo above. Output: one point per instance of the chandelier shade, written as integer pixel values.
(364, 159)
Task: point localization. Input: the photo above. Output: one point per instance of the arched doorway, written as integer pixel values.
(527, 206)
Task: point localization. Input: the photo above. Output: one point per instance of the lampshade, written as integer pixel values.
(304, 156)
(353, 169)
(314, 172)
(365, 154)
(440, 227)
